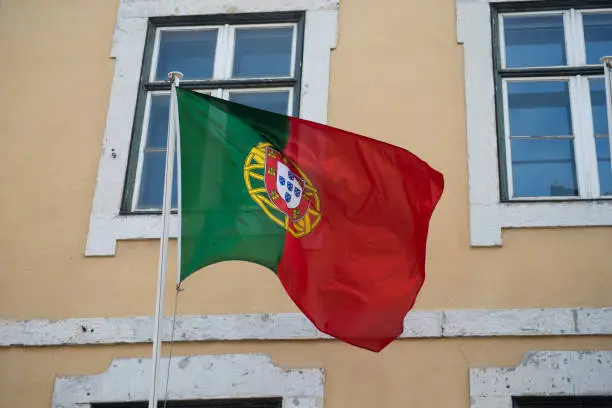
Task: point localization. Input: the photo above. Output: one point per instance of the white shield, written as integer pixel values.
(289, 186)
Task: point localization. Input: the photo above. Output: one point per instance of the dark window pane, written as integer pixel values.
(271, 101)
(597, 36)
(539, 109)
(201, 403)
(563, 402)
(598, 105)
(152, 181)
(190, 51)
(534, 41)
(604, 167)
(542, 168)
(157, 131)
(263, 52)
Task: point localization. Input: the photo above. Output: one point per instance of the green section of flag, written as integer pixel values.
(219, 219)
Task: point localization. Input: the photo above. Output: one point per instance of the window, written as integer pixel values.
(537, 142)
(551, 103)
(253, 60)
(116, 213)
(214, 403)
(563, 402)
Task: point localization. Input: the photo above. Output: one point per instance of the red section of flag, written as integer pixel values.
(358, 273)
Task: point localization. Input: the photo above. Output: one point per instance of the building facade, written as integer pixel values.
(506, 98)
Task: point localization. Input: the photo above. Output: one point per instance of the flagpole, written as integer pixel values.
(175, 78)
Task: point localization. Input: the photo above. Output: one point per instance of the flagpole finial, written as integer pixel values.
(175, 77)
(607, 61)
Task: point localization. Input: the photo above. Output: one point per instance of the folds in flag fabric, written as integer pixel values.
(340, 218)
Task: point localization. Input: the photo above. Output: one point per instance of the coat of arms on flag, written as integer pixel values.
(286, 190)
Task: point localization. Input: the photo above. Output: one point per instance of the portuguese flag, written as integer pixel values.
(341, 219)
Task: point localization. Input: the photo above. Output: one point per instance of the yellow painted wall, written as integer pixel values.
(410, 373)
(396, 75)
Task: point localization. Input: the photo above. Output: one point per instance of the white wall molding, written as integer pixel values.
(295, 326)
(106, 226)
(195, 377)
(545, 373)
(488, 216)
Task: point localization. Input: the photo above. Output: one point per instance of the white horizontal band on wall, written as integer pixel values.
(294, 326)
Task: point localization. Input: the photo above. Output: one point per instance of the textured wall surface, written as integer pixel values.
(387, 81)
(396, 75)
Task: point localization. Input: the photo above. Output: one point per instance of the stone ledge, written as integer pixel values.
(295, 326)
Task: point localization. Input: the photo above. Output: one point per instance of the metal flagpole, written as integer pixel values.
(607, 63)
(174, 77)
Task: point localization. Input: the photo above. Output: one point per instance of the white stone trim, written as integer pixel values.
(488, 216)
(295, 326)
(106, 226)
(543, 373)
(192, 378)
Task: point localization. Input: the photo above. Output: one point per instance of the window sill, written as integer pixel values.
(145, 212)
(488, 220)
(108, 230)
(555, 200)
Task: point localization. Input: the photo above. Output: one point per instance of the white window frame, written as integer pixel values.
(143, 142)
(219, 49)
(226, 33)
(223, 66)
(507, 138)
(106, 224)
(232, 42)
(607, 77)
(488, 214)
(225, 94)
